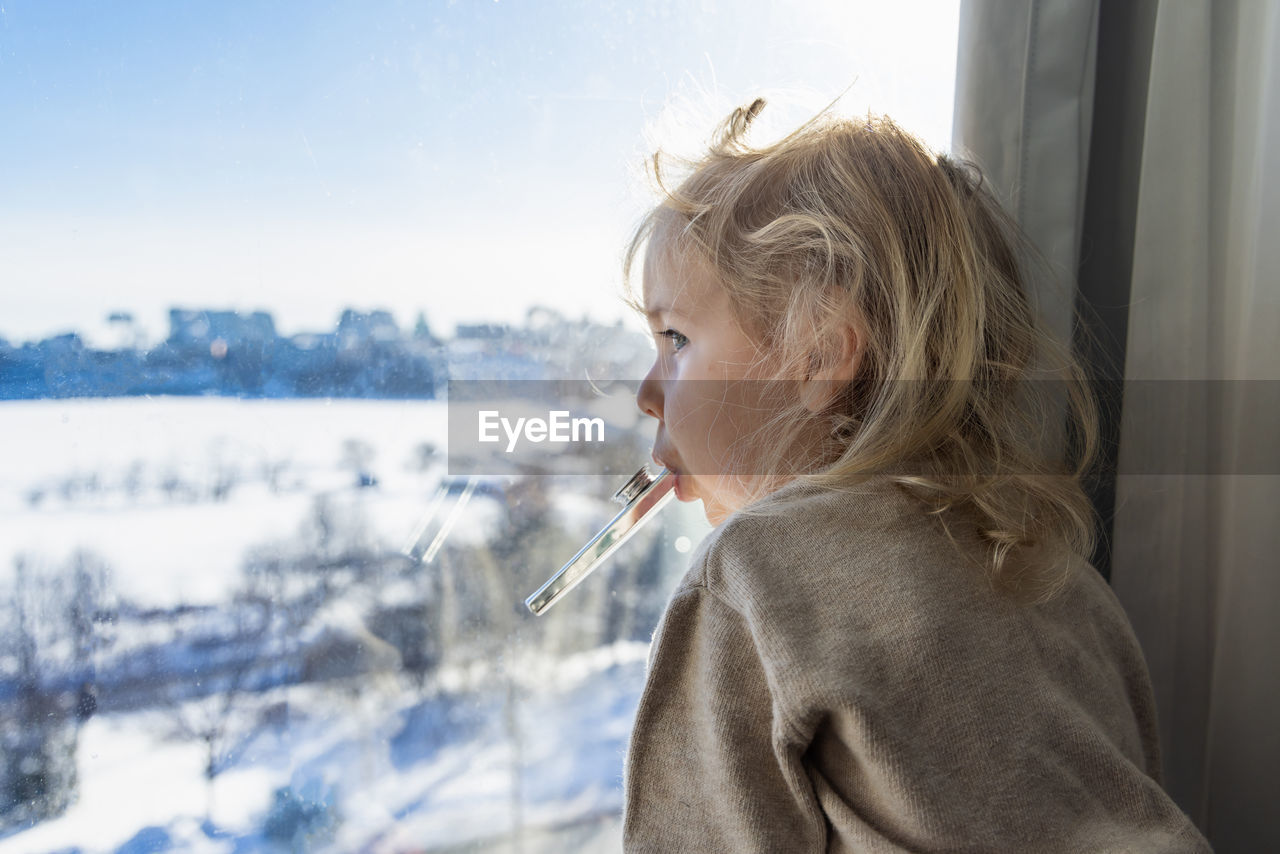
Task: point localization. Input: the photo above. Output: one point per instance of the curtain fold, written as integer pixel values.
(1163, 563)
(1024, 103)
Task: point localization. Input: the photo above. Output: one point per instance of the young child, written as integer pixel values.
(891, 641)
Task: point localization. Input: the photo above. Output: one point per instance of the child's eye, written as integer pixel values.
(678, 340)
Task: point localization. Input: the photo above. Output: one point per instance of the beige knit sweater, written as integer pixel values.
(836, 676)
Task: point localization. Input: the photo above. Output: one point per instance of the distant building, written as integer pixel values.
(197, 329)
(356, 329)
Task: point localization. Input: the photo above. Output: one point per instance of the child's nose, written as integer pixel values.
(649, 395)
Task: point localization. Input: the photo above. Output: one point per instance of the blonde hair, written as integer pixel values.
(855, 220)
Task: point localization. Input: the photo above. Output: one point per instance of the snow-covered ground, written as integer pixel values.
(397, 771)
(521, 753)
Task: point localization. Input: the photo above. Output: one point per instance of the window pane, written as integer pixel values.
(250, 600)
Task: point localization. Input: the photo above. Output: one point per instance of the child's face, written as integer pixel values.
(705, 385)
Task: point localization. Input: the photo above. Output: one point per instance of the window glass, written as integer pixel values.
(251, 598)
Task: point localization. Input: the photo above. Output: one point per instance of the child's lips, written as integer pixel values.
(678, 480)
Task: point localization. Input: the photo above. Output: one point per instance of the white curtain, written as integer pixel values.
(1183, 200)
(1196, 556)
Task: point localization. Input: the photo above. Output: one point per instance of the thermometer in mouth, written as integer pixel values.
(642, 496)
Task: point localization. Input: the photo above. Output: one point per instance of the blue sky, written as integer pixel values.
(464, 159)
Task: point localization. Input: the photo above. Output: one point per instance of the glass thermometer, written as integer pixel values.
(643, 496)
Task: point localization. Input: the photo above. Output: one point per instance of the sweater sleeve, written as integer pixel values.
(710, 766)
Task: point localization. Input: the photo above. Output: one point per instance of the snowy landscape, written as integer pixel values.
(229, 627)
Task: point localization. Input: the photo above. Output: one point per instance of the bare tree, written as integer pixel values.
(37, 731)
(212, 708)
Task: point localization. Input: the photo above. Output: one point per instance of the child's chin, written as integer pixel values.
(715, 512)
(681, 488)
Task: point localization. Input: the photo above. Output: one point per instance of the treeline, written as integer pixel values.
(226, 353)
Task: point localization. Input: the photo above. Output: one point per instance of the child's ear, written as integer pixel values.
(832, 369)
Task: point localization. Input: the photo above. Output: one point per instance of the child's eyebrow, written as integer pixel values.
(663, 309)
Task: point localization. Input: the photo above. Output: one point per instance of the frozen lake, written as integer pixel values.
(135, 480)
